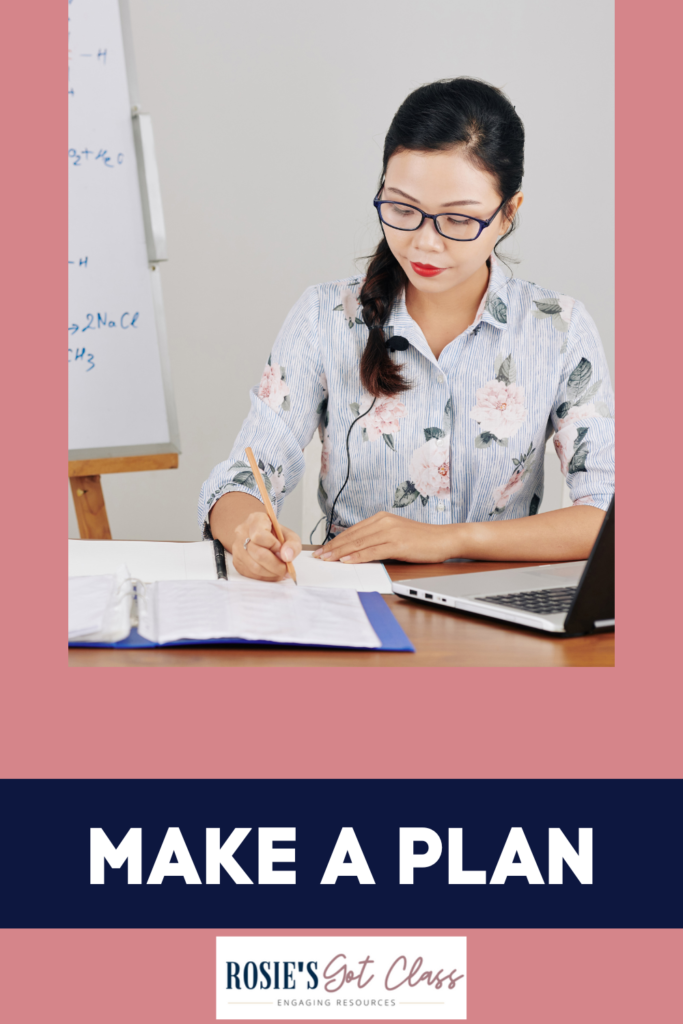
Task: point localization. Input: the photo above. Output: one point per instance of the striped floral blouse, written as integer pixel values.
(466, 443)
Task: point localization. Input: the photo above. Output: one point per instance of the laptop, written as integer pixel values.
(571, 598)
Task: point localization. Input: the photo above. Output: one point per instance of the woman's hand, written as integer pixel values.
(385, 535)
(264, 557)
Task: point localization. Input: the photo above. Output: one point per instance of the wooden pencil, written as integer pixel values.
(277, 529)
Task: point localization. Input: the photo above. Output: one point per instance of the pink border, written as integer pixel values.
(154, 723)
(514, 977)
(581, 722)
(585, 722)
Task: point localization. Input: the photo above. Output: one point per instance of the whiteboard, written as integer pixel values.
(120, 394)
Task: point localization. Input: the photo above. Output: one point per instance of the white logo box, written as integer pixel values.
(341, 977)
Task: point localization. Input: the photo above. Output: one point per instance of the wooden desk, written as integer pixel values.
(441, 637)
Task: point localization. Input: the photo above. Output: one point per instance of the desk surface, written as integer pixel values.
(441, 637)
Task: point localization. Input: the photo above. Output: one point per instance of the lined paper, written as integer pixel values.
(205, 610)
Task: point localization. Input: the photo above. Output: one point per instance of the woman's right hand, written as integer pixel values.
(264, 557)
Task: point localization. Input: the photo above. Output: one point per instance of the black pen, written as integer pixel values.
(219, 555)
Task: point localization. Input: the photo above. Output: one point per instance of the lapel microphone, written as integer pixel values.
(397, 344)
(394, 343)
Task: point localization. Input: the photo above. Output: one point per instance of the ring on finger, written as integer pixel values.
(247, 541)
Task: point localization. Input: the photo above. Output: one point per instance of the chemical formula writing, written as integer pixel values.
(79, 157)
(81, 357)
(98, 55)
(125, 321)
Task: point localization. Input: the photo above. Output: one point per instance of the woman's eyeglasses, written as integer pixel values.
(459, 227)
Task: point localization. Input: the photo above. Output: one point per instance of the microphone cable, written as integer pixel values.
(394, 344)
(348, 470)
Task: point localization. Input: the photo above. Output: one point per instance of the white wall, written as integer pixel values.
(282, 105)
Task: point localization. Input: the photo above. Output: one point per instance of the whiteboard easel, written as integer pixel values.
(122, 415)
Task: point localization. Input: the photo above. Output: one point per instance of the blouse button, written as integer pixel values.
(440, 506)
(440, 379)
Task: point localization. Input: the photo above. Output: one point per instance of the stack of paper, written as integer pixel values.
(89, 598)
(100, 607)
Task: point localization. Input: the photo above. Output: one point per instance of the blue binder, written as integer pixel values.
(377, 610)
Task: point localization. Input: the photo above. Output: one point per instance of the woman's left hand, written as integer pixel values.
(385, 535)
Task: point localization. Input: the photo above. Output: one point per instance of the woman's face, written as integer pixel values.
(441, 182)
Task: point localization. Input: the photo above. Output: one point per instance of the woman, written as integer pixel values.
(436, 380)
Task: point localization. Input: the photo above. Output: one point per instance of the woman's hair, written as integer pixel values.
(457, 113)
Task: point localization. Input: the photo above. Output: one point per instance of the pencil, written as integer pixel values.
(277, 529)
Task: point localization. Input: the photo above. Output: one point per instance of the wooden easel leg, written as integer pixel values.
(90, 508)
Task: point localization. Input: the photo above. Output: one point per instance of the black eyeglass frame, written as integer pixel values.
(378, 203)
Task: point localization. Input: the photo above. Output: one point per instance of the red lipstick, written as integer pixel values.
(426, 269)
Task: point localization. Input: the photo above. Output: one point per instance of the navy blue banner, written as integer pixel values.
(490, 854)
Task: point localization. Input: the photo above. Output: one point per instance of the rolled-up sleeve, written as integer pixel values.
(583, 415)
(286, 407)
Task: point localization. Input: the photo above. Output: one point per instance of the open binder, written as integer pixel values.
(117, 611)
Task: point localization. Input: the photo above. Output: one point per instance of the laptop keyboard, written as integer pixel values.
(552, 601)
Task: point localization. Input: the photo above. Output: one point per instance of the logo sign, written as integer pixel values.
(341, 978)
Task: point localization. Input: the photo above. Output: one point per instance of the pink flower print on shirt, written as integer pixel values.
(349, 304)
(502, 495)
(500, 405)
(349, 307)
(382, 420)
(273, 389)
(564, 445)
(277, 480)
(499, 409)
(430, 468)
(572, 448)
(586, 500)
